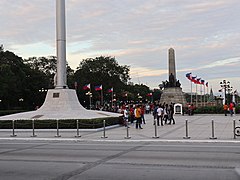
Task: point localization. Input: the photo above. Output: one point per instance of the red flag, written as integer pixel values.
(110, 90)
(86, 87)
(98, 88)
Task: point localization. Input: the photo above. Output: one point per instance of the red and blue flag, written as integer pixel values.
(98, 88)
(86, 87)
(110, 90)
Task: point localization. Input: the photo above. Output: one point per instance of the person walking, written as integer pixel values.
(137, 114)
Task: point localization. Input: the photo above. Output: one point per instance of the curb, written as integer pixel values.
(124, 140)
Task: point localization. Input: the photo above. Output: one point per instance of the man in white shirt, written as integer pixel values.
(160, 115)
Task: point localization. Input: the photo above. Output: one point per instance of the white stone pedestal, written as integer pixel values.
(173, 95)
(61, 104)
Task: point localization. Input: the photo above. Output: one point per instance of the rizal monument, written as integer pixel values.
(61, 102)
(171, 88)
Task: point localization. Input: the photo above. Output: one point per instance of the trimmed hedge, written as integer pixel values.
(63, 124)
(213, 110)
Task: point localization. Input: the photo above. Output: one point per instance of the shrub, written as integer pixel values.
(63, 124)
(209, 110)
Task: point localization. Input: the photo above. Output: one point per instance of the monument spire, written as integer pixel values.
(61, 45)
(171, 65)
(172, 91)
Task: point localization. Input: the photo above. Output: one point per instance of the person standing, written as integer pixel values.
(142, 114)
(160, 115)
(131, 113)
(171, 112)
(234, 109)
(231, 105)
(165, 113)
(225, 109)
(147, 109)
(137, 114)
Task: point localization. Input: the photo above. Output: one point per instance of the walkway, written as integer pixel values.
(199, 130)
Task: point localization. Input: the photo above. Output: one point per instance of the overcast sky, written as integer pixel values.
(204, 33)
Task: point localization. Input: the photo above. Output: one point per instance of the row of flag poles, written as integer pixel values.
(198, 81)
(99, 88)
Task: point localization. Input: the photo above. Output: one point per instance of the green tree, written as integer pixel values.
(48, 66)
(101, 71)
(12, 78)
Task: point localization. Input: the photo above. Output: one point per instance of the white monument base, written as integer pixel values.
(61, 104)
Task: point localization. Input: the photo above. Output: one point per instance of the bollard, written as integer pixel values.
(155, 124)
(13, 129)
(33, 135)
(234, 128)
(127, 137)
(78, 134)
(57, 135)
(186, 137)
(104, 129)
(213, 136)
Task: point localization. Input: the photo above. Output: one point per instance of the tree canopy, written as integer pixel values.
(22, 81)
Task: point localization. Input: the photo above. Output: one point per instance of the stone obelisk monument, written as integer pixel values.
(171, 64)
(172, 92)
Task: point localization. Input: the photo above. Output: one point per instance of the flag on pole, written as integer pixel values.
(98, 88)
(149, 94)
(198, 81)
(189, 76)
(193, 79)
(235, 92)
(86, 87)
(110, 90)
(202, 82)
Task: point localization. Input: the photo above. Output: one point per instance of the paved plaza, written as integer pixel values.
(199, 128)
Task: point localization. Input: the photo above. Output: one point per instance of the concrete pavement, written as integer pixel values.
(200, 129)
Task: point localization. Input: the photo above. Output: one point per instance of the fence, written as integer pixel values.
(186, 128)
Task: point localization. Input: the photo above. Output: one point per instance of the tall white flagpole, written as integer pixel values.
(61, 45)
(204, 95)
(196, 94)
(101, 97)
(112, 97)
(191, 91)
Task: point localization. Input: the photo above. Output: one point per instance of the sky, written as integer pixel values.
(205, 35)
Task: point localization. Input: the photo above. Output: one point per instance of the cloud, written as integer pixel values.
(224, 63)
(205, 34)
(146, 72)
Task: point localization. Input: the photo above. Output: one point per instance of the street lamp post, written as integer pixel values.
(225, 85)
(90, 96)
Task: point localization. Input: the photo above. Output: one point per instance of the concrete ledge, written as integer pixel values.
(80, 139)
